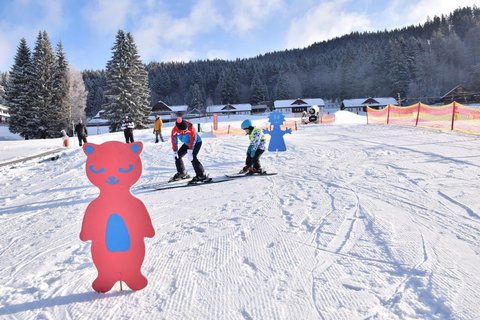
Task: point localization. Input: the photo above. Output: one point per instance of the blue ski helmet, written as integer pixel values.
(246, 124)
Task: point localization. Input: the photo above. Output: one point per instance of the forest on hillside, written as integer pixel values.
(417, 63)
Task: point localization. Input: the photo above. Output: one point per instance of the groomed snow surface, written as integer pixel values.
(361, 222)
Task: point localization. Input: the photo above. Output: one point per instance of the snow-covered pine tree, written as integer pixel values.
(258, 90)
(127, 90)
(230, 87)
(18, 95)
(281, 89)
(141, 90)
(2, 94)
(60, 109)
(43, 86)
(195, 99)
(77, 97)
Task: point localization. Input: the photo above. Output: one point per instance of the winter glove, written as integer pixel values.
(190, 154)
(175, 155)
(252, 153)
(249, 150)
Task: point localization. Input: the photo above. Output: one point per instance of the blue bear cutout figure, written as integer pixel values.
(277, 143)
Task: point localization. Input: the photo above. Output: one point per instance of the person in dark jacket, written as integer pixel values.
(81, 132)
(127, 127)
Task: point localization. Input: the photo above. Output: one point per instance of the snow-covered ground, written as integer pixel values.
(362, 222)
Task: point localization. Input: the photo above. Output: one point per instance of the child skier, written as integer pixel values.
(185, 132)
(255, 149)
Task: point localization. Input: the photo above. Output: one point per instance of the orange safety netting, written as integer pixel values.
(453, 116)
(236, 131)
(327, 118)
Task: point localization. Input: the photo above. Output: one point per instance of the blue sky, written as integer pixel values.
(184, 30)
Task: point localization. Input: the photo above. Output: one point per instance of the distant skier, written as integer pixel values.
(127, 127)
(185, 132)
(81, 132)
(255, 149)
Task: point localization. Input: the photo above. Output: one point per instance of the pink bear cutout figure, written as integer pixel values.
(116, 222)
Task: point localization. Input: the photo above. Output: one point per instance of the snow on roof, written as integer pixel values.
(229, 107)
(351, 103)
(298, 103)
(182, 108)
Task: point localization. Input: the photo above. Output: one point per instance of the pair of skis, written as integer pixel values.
(182, 184)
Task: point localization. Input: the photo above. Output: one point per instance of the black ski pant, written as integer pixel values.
(255, 161)
(128, 133)
(81, 139)
(197, 166)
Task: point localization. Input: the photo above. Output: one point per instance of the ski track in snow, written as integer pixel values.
(362, 222)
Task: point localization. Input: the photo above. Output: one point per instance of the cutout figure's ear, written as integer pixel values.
(136, 147)
(89, 148)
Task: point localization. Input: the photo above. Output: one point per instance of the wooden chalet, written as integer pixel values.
(461, 95)
(4, 115)
(297, 105)
(228, 109)
(360, 105)
(166, 112)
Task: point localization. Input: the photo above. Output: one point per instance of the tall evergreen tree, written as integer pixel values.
(61, 107)
(230, 87)
(281, 89)
(195, 98)
(77, 97)
(258, 90)
(18, 93)
(127, 90)
(43, 86)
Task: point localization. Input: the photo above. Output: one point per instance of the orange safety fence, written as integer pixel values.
(453, 116)
(237, 131)
(327, 118)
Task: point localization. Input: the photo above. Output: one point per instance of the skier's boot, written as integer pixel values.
(179, 176)
(199, 179)
(244, 170)
(253, 171)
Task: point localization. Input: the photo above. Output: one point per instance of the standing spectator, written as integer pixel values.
(81, 132)
(157, 128)
(128, 126)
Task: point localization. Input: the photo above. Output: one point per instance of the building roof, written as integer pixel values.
(457, 91)
(160, 106)
(182, 108)
(229, 108)
(298, 103)
(372, 102)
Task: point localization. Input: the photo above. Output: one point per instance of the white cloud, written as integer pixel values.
(159, 30)
(323, 22)
(402, 13)
(108, 16)
(49, 17)
(248, 14)
(6, 52)
(218, 54)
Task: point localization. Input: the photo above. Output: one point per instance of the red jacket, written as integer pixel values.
(188, 137)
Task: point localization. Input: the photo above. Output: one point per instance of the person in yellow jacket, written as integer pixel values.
(157, 128)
